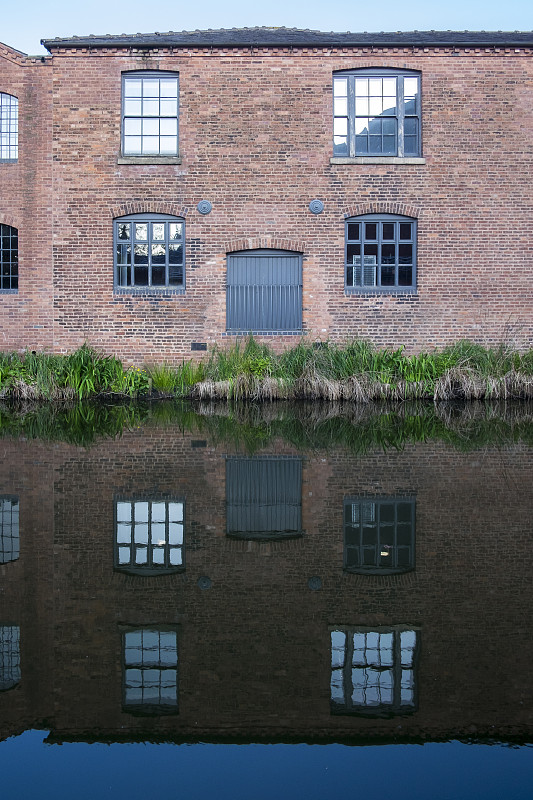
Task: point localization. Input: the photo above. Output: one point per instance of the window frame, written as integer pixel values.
(12, 264)
(349, 150)
(150, 568)
(149, 288)
(146, 75)
(12, 119)
(398, 705)
(394, 526)
(380, 220)
(147, 708)
(9, 528)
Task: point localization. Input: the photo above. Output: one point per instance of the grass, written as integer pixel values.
(251, 371)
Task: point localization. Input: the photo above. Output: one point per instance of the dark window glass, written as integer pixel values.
(384, 257)
(150, 673)
(9, 258)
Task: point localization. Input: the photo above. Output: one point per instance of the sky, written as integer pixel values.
(23, 26)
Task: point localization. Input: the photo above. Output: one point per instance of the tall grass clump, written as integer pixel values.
(82, 374)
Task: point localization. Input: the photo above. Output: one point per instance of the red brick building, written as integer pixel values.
(164, 192)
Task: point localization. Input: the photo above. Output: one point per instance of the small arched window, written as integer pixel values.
(380, 253)
(9, 127)
(150, 252)
(9, 259)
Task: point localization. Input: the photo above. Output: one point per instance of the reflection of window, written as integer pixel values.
(9, 127)
(9, 258)
(263, 497)
(379, 535)
(373, 672)
(9, 656)
(376, 113)
(9, 529)
(380, 253)
(149, 252)
(150, 671)
(150, 114)
(149, 536)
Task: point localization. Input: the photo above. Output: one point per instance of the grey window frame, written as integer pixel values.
(147, 708)
(9, 528)
(349, 150)
(380, 220)
(382, 565)
(9, 264)
(383, 709)
(148, 218)
(9, 128)
(140, 75)
(151, 568)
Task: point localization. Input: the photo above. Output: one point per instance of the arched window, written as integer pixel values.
(379, 535)
(380, 253)
(149, 536)
(9, 127)
(376, 113)
(9, 259)
(9, 529)
(9, 657)
(150, 252)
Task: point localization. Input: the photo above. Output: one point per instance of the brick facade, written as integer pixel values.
(255, 139)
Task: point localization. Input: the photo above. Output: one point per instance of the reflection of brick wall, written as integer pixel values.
(260, 168)
(254, 649)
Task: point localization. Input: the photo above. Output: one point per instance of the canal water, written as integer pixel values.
(247, 602)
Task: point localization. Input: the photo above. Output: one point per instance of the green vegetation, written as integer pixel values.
(354, 372)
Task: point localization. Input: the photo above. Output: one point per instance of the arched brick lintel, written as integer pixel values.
(7, 219)
(383, 207)
(263, 242)
(147, 207)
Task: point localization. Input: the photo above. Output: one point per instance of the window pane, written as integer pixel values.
(158, 276)
(388, 230)
(141, 232)
(132, 108)
(150, 145)
(124, 230)
(168, 87)
(168, 127)
(150, 87)
(132, 127)
(340, 87)
(168, 145)
(405, 230)
(150, 108)
(132, 145)
(169, 108)
(353, 230)
(132, 87)
(371, 231)
(158, 231)
(141, 254)
(175, 254)
(410, 87)
(150, 127)
(340, 105)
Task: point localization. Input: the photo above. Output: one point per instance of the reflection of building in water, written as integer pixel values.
(9, 529)
(98, 646)
(149, 536)
(9, 656)
(379, 534)
(373, 672)
(263, 497)
(150, 671)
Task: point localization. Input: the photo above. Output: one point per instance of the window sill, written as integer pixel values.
(147, 291)
(149, 160)
(388, 291)
(377, 160)
(263, 333)
(9, 291)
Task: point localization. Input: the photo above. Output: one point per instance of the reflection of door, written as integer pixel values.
(264, 291)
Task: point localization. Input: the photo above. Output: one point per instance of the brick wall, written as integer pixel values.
(256, 141)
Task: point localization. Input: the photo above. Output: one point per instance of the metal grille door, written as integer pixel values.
(264, 292)
(264, 497)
